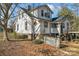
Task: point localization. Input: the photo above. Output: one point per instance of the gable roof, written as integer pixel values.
(31, 15)
(32, 9)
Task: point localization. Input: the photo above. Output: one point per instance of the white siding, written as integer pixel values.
(21, 23)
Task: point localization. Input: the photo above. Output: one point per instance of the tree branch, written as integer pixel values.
(12, 11)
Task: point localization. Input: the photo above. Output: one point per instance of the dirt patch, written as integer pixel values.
(27, 48)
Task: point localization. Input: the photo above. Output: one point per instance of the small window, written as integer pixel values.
(42, 12)
(54, 25)
(46, 24)
(17, 27)
(25, 25)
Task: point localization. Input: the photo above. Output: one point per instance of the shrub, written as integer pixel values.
(38, 41)
(23, 36)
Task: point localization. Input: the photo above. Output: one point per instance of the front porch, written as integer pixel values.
(50, 28)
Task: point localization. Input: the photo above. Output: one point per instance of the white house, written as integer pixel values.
(40, 21)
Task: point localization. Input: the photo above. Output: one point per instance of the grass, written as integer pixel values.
(13, 36)
(72, 48)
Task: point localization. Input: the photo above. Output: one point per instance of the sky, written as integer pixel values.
(56, 7)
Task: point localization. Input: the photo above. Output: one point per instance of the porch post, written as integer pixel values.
(42, 27)
(59, 32)
(49, 27)
(59, 29)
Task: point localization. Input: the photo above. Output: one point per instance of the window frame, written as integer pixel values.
(17, 27)
(26, 25)
(42, 13)
(54, 25)
(47, 14)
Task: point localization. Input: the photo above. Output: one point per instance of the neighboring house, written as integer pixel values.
(39, 23)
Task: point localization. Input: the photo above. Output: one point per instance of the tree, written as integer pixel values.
(6, 10)
(69, 14)
(66, 12)
(76, 5)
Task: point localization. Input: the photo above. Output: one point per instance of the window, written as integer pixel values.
(67, 25)
(25, 25)
(42, 12)
(63, 25)
(22, 15)
(54, 25)
(47, 15)
(46, 24)
(17, 27)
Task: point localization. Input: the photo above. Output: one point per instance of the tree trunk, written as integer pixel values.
(5, 33)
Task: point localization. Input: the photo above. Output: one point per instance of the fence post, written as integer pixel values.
(58, 42)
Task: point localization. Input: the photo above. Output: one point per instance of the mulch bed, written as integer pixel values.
(27, 48)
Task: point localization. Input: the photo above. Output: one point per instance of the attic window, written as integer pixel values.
(47, 14)
(42, 12)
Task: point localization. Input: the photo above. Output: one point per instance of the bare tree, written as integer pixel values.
(6, 10)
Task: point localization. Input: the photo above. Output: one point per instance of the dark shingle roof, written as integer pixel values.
(59, 19)
(53, 19)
